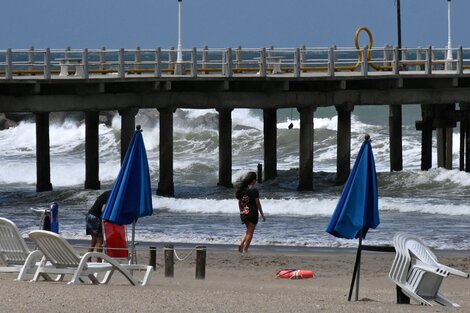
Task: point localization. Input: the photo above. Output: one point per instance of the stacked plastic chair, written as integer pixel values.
(417, 272)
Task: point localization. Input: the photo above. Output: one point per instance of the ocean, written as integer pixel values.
(432, 204)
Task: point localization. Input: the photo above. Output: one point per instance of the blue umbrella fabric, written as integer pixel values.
(131, 196)
(357, 209)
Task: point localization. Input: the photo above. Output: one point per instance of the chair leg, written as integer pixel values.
(444, 301)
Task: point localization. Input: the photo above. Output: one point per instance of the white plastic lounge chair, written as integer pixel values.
(15, 256)
(64, 259)
(417, 272)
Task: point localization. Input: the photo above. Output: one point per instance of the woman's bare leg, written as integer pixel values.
(250, 230)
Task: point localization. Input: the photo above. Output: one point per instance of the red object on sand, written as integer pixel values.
(295, 274)
(115, 238)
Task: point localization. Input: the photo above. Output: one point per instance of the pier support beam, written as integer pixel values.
(127, 128)
(444, 133)
(426, 136)
(396, 145)
(306, 148)
(91, 150)
(464, 160)
(444, 147)
(270, 143)
(225, 147)
(343, 157)
(43, 159)
(166, 187)
(467, 142)
(463, 132)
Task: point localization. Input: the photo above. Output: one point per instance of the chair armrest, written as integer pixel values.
(430, 268)
(454, 271)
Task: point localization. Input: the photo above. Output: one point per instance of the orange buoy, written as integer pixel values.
(295, 274)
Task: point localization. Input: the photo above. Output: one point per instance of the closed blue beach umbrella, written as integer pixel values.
(357, 209)
(131, 196)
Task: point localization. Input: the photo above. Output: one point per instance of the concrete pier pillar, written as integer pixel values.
(43, 159)
(166, 186)
(464, 128)
(270, 143)
(444, 135)
(396, 145)
(225, 147)
(306, 148)
(91, 150)
(444, 147)
(449, 148)
(467, 142)
(426, 137)
(127, 128)
(440, 140)
(343, 157)
(463, 131)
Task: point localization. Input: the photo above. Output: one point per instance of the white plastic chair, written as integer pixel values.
(15, 256)
(64, 259)
(417, 272)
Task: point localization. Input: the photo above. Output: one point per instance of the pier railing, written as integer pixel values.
(230, 62)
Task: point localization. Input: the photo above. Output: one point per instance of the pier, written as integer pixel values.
(41, 81)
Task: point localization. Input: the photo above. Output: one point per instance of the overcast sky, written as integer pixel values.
(227, 23)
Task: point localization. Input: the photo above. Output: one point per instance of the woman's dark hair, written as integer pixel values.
(243, 184)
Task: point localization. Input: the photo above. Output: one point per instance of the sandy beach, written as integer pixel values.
(240, 283)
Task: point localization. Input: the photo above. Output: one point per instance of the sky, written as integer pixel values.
(228, 23)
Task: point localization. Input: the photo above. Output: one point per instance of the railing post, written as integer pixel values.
(262, 60)
(122, 64)
(419, 67)
(158, 62)
(137, 59)
(47, 64)
(85, 63)
(194, 62)
(228, 63)
(396, 61)
(238, 55)
(428, 64)
(303, 58)
(31, 58)
(102, 66)
(297, 62)
(460, 60)
(364, 64)
(331, 62)
(404, 57)
(9, 64)
(205, 56)
(171, 58)
(67, 52)
(387, 56)
(270, 51)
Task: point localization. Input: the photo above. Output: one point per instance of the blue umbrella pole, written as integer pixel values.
(356, 271)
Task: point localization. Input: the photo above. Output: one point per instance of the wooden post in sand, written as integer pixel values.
(169, 260)
(153, 257)
(200, 262)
